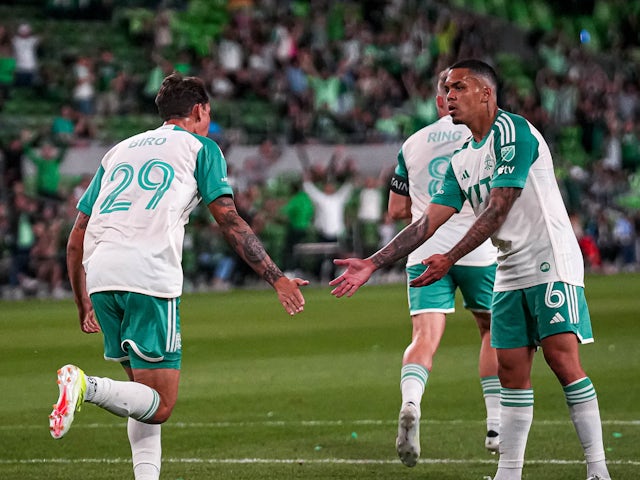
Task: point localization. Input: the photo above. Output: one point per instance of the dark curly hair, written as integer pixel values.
(178, 95)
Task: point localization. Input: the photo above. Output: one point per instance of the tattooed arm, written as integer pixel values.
(500, 202)
(245, 242)
(77, 276)
(411, 237)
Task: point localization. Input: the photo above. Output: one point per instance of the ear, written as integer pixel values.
(196, 112)
(440, 102)
(486, 94)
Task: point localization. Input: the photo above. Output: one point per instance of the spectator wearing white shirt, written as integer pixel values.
(329, 203)
(25, 45)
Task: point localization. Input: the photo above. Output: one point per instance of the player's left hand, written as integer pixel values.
(289, 294)
(88, 322)
(437, 267)
(357, 273)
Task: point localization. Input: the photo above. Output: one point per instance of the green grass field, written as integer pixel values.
(316, 396)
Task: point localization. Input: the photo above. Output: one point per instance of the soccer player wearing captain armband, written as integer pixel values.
(422, 162)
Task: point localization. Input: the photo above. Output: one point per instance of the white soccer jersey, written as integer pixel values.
(423, 161)
(139, 202)
(536, 242)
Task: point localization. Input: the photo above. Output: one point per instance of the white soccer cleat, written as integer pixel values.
(597, 477)
(72, 383)
(492, 442)
(408, 440)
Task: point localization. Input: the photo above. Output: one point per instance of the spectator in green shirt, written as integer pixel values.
(630, 147)
(299, 216)
(47, 160)
(7, 65)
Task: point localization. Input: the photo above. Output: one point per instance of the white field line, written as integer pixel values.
(277, 461)
(304, 423)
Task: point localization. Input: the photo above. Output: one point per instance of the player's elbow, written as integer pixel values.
(74, 245)
(397, 214)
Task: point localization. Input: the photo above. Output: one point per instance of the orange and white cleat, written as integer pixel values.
(72, 383)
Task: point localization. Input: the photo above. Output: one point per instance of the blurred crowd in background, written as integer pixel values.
(298, 73)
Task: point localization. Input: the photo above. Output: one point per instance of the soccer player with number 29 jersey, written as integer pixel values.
(506, 173)
(124, 259)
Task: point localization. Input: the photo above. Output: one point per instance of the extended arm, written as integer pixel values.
(500, 202)
(245, 242)
(77, 276)
(411, 237)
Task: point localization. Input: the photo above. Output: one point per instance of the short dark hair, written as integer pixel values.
(440, 79)
(480, 68)
(179, 94)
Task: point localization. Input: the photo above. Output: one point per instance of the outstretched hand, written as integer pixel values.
(289, 294)
(437, 267)
(357, 274)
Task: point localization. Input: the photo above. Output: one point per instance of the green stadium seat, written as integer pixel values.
(479, 6)
(497, 8)
(542, 15)
(459, 4)
(570, 147)
(519, 13)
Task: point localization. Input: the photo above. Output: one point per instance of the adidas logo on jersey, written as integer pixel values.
(465, 175)
(557, 318)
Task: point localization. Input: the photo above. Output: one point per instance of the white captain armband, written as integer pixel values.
(399, 185)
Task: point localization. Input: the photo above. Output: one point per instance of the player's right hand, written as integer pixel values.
(289, 294)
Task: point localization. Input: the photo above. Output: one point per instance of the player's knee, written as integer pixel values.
(514, 374)
(513, 378)
(164, 410)
(483, 320)
(162, 414)
(423, 345)
(565, 367)
(567, 374)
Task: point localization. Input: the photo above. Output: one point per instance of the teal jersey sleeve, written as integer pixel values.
(211, 172)
(399, 181)
(516, 149)
(85, 205)
(401, 167)
(449, 193)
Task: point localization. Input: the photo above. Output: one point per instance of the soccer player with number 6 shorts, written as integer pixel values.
(505, 171)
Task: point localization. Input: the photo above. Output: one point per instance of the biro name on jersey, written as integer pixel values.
(144, 141)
